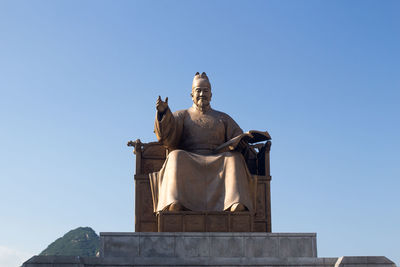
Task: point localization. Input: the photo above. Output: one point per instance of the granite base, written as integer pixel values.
(207, 249)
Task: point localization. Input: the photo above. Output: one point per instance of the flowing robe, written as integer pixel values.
(192, 174)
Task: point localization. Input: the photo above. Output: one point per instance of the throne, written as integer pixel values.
(151, 156)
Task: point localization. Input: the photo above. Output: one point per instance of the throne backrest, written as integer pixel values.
(151, 156)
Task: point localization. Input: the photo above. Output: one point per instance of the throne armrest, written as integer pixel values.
(149, 156)
(261, 152)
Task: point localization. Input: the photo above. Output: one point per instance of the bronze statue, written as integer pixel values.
(199, 174)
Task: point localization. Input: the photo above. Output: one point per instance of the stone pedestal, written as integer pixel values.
(192, 221)
(208, 245)
(208, 249)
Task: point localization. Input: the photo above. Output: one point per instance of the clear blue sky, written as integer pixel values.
(78, 79)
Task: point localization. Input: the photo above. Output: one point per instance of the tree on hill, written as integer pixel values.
(82, 241)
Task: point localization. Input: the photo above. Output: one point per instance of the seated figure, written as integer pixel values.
(194, 177)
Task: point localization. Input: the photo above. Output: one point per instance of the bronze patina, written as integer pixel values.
(194, 177)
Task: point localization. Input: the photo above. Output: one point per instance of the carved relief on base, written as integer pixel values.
(190, 221)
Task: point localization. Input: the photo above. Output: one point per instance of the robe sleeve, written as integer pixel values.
(232, 129)
(168, 128)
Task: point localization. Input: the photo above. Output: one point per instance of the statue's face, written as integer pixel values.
(201, 93)
(201, 96)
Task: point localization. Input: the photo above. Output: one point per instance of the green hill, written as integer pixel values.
(82, 241)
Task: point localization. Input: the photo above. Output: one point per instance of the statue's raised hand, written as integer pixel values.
(161, 106)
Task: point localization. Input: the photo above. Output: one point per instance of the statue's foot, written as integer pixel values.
(176, 207)
(238, 207)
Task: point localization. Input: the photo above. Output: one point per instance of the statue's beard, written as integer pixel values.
(202, 104)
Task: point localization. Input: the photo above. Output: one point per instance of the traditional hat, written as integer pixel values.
(200, 79)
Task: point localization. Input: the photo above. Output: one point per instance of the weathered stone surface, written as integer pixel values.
(215, 245)
(58, 261)
(297, 246)
(227, 246)
(192, 246)
(374, 261)
(121, 245)
(156, 246)
(207, 249)
(255, 246)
